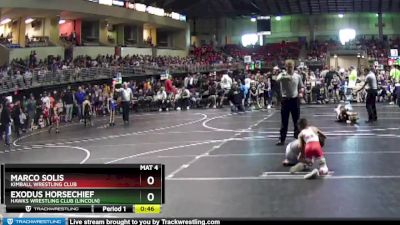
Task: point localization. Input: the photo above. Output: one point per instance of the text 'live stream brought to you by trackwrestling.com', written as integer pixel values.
(106, 221)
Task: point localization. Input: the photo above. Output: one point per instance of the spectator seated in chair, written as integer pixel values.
(161, 100)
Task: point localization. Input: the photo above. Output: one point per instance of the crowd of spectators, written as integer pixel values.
(208, 55)
(70, 39)
(275, 53)
(242, 91)
(30, 112)
(6, 40)
(329, 85)
(317, 50)
(376, 49)
(20, 71)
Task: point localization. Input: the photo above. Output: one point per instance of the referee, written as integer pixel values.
(371, 85)
(291, 85)
(127, 96)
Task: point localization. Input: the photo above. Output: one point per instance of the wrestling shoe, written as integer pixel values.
(297, 168)
(287, 163)
(313, 174)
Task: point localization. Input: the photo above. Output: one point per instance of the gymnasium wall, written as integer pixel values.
(41, 52)
(4, 55)
(347, 61)
(171, 52)
(135, 51)
(87, 7)
(93, 51)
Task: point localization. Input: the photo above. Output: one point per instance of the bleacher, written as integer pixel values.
(271, 53)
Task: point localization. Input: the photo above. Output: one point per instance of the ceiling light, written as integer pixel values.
(253, 19)
(5, 21)
(29, 20)
(278, 18)
(340, 15)
(61, 21)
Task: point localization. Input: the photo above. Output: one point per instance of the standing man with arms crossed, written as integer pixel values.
(395, 77)
(291, 89)
(127, 96)
(68, 100)
(371, 85)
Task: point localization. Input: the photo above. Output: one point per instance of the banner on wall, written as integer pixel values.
(118, 3)
(247, 59)
(394, 53)
(106, 2)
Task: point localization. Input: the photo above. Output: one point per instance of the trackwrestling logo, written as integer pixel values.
(33, 221)
(28, 208)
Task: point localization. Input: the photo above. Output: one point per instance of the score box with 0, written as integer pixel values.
(94, 184)
(76, 176)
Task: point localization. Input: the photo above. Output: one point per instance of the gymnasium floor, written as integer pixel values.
(224, 165)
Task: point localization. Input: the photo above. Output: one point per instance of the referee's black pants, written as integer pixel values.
(371, 104)
(125, 111)
(289, 106)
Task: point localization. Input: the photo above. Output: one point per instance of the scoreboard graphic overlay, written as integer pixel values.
(91, 188)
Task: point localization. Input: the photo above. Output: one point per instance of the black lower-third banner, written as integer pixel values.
(136, 221)
(207, 221)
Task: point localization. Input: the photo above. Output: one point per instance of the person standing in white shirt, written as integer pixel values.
(371, 85)
(127, 96)
(46, 100)
(291, 90)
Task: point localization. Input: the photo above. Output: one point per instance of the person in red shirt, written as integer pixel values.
(52, 101)
(168, 85)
